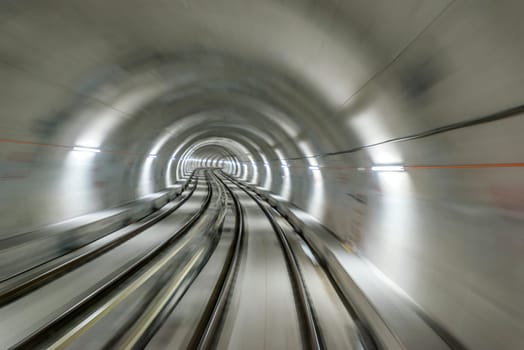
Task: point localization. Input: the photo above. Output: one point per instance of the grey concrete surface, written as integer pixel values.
(179, 328)
(268, 89)
(261, 313)
(337, 328)
(20, 318)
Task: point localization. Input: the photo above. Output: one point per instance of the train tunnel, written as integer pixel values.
(261, 174)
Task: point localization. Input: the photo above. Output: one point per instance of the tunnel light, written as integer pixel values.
(152, 156)
(86, 149)
(314, 167)
(284, 166)
(388, 168)
(361, 169)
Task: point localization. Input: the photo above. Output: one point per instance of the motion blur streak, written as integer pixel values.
(107, 107)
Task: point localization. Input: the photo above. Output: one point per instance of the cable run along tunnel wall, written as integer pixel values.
(102, 103)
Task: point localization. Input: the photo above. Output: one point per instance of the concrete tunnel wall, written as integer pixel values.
(342, 85)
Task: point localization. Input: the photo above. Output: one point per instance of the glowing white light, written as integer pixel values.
(152, 155)
(316, 199)
(77, 172)
(269, 177)
(285, 190)
(361, 169)
(86, 149)
(245, 173)
(388, 168)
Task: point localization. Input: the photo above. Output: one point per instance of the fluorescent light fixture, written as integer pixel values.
(285, 166)
(151, 155)
(86, 149)
(314, 167)
(387, 168)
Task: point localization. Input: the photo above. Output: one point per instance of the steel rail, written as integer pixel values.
(207, 330)
(22, 284)
(312, 337)
(142, 329)
(365, 332)
(75, 314)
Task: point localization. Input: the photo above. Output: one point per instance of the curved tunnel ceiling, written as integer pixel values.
(303, 98)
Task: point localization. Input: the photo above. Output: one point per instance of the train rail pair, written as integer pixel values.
(83, 309)
(69, 325)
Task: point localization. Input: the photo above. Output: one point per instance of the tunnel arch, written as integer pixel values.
(341, 86)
